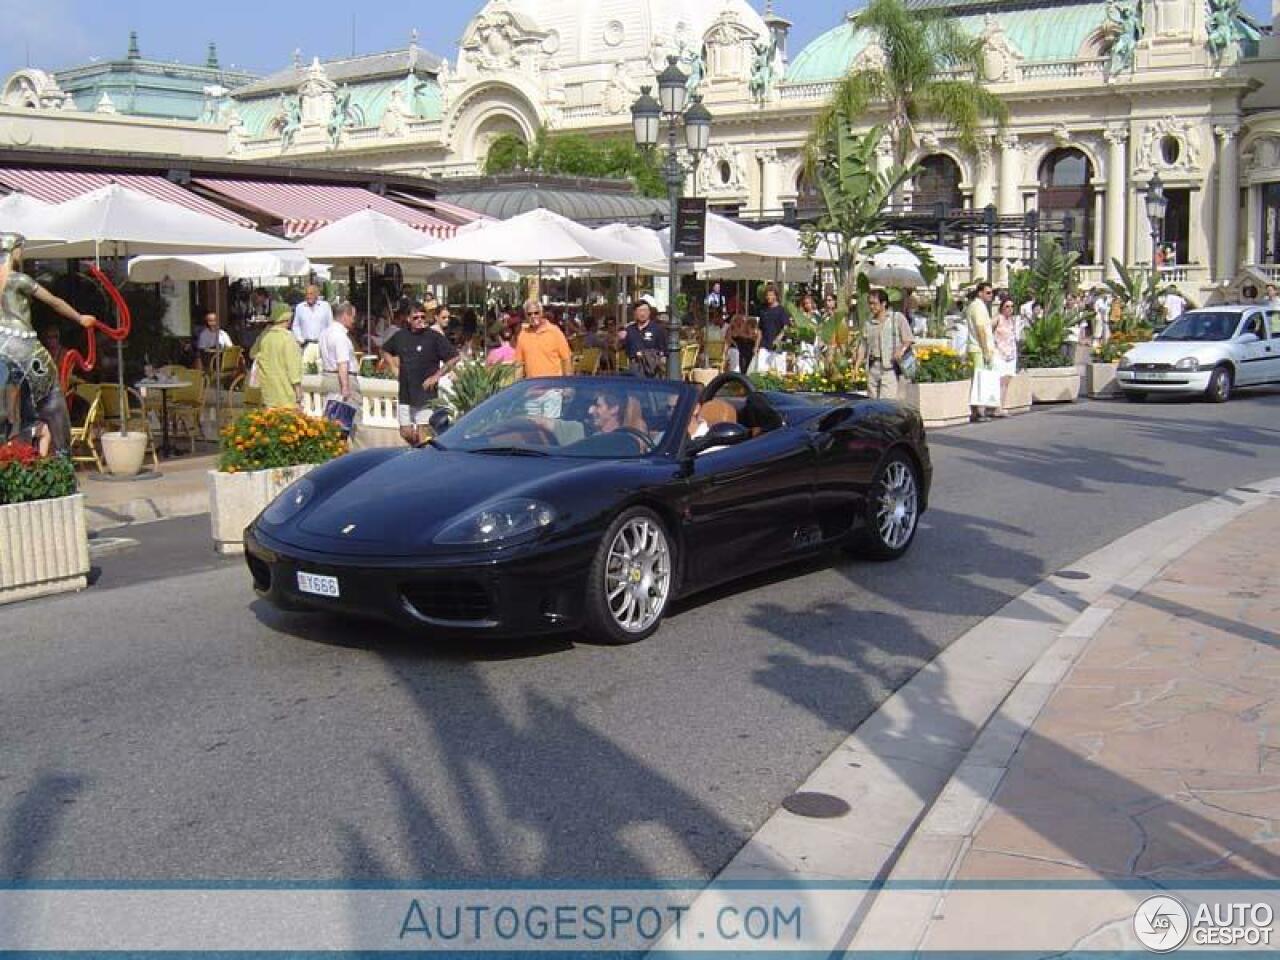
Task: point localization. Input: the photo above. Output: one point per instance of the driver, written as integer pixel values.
(606, 413)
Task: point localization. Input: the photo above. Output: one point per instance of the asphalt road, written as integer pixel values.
(163, 725)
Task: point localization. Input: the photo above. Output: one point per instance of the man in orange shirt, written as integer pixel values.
(543, 351)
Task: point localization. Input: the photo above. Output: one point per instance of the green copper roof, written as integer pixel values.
(1057, 33)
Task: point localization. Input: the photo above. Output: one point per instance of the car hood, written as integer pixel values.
(397, 507)
(1171, 351)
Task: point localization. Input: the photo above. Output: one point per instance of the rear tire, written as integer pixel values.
(1220, 384)
(891, 511)
(631, 580)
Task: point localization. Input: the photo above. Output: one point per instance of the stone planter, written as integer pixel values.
(1054, 384)
(940, 404)
(124, 452)
(235, 499)
(44, 548)
(1102, 381)
(1017, 398)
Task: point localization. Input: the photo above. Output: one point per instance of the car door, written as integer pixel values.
(1252, 349)
(748, 506)
(1270, 372)
(848, 444)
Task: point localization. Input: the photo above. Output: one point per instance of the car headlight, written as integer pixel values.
(1125, 363)
(1190, 364)
(290, 503)
(500, 522)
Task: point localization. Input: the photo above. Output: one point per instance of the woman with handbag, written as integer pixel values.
(1005, 357)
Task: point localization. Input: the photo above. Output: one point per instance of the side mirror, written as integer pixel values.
(440, 422)
(720, 435)
(1247, 337)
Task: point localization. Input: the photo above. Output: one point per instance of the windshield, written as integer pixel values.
(590, 418)
(1203, 325)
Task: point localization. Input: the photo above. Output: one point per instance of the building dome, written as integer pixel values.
(598, 33)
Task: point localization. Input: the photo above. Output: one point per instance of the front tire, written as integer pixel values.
(892, 510)
(1220, 384)
(631, 580)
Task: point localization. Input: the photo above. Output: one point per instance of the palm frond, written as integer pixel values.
(964, 106)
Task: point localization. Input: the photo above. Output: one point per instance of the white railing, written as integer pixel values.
(584, 112)
(1090, 275)
(379, 407)
(1061, 69)
(1270, 271)
(807, 91)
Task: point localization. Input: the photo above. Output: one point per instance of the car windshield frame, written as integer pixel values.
(502, 415)
(1185, 322)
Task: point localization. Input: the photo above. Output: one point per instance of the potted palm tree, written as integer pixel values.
(43, 536)
(1138, 292)
(1054, 378)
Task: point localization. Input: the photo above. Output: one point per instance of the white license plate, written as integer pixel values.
(1153, 377)
(317, 585)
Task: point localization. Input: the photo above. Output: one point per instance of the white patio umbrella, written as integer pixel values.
(537, 238)
(116, 221)
(466, 273)
(214, 266)
(363, 239)
(24, 214)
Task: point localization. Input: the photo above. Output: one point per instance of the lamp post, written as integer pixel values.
(673, 105)
(1157, 207)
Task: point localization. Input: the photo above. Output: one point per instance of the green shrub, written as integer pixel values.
(26, 476)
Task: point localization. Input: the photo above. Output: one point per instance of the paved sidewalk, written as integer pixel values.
(1154, 759)
(181, 490)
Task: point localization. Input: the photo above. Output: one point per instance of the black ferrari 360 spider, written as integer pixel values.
(592, 503)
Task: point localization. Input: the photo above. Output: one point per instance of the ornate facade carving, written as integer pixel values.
(621, 90)
(318, 95)
(728, 44)
(1150, 154)
(723, 171)
(498, 40)
(35, 90)
(1001, 57)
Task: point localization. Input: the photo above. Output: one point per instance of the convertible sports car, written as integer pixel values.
(592, 503)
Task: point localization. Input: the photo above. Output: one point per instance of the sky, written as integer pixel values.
(261, 36)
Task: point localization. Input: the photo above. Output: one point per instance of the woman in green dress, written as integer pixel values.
(33, 400)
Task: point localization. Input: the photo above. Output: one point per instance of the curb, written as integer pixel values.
(146, 510)
(911, 815)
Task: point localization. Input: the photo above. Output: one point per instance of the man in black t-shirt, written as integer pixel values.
(420, 356)
(774, 318)
(645, 343)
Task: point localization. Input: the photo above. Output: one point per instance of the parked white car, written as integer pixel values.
(1209, 352)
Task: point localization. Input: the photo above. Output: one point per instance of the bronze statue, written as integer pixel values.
(33, 400)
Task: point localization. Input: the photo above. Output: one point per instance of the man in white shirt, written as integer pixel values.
(1173, 304)
(338, 356)
(311, 317)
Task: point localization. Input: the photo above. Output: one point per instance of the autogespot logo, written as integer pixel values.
(1161, 924)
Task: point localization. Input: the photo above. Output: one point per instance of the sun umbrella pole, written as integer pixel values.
(124, 399)
(368, 304)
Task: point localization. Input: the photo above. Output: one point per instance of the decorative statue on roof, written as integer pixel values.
(762, 68)
(290, 120)
(694, 60)
(343, 115)
(1124, 26)
(1227, 27)
(31, 397)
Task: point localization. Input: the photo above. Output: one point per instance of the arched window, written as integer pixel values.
(938, 182)
(1066, 200)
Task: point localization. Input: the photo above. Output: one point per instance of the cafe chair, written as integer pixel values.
(716, 354)
(587, 362)
(688, 359)
(86, 429)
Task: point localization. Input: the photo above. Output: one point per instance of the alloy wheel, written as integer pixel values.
(638, 575)
(899, 507)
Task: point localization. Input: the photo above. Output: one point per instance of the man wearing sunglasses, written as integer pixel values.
(543, 351)
(420, 356)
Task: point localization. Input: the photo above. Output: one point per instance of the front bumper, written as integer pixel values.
(536, 590)
(1163, 381)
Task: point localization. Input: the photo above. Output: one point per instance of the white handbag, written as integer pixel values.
(985, 391)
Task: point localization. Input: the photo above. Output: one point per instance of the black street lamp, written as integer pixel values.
(1157, 207)
(673, 105)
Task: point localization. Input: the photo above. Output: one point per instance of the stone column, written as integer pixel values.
(770, 182)
(1253, 227)
(1009, 200)
(1117, 192)
(984, 194)
(1228, 220)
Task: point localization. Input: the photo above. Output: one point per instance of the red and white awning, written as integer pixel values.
(303, 208)
(53, 185)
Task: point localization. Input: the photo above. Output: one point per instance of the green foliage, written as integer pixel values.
(278, 437)
(932, 69)
(1021, 286)
(25, 476)
(1140, 292)
(939, 311)
(1053, 276)
(1045, 341)
(578, 155)
(507, 154)
(473, 383)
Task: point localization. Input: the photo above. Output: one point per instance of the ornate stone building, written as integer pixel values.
(1101, 95)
